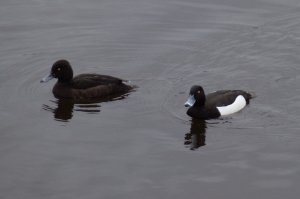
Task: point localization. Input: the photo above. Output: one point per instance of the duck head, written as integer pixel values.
(196, 97)
(61, 70)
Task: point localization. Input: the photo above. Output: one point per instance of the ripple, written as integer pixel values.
(274, 184)
(63, 109)
(264, 60)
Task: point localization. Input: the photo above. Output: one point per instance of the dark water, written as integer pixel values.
(144, 146)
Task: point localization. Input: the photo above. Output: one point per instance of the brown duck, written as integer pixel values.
(83, 86)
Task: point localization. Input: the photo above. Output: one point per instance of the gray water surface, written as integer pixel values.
(144, 145)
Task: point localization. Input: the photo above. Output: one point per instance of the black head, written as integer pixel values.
(61, 70)
(197, 97)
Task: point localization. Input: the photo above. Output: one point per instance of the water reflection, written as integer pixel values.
(196, 137)
(63, 109)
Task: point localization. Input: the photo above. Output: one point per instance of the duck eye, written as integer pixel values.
(58, 69)
(198, 92)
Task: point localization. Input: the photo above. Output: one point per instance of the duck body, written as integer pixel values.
(83, 86)
(216, 104)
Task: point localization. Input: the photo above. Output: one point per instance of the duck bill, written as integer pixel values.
(190, 102)
(47, 78)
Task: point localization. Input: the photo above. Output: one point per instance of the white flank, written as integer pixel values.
(236, 106)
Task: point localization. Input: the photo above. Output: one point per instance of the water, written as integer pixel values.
(144, 145)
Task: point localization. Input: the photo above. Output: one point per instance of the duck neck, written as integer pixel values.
(200, 102)
(64, 81)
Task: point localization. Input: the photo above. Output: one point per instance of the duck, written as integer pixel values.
(83, 86)
(216, 104)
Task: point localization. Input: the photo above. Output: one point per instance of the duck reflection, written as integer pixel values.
(196, 137)
(63, 109)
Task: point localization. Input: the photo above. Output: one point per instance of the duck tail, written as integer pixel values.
(129, 85)
(252, 94)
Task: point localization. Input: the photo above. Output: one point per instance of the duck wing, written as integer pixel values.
(85, 81)
(225, 97)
